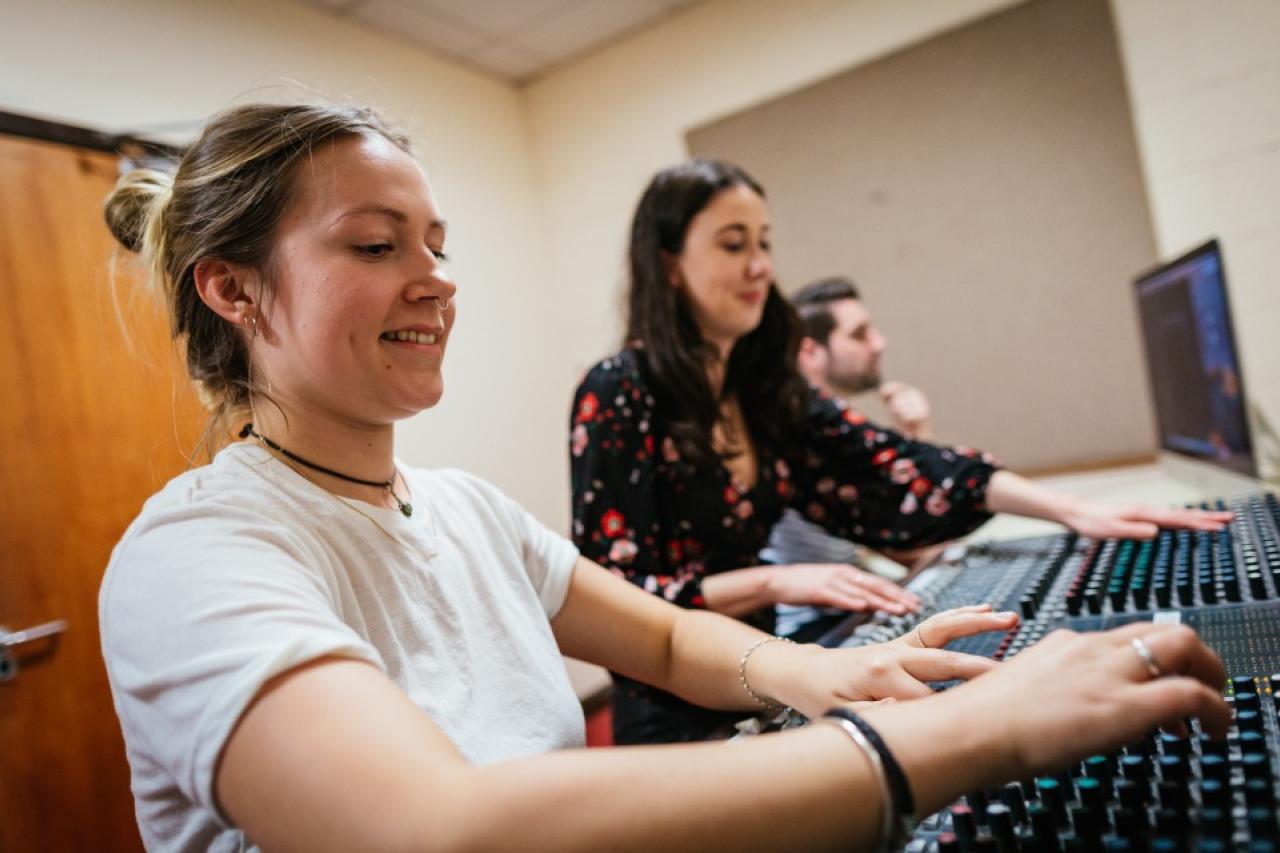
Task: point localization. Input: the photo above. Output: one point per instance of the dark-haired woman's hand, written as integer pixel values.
(1008, 492)
(838, 585)
(1137, 521)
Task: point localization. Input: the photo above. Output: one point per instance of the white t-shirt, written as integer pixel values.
(241, 570)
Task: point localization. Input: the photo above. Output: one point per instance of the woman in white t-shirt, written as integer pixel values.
(312, 646)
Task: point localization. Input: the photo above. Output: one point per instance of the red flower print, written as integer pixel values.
(855, 418)
(744, 509)
(730, 494)
(612, 523)
(884, 457)
(921, 486)
(672, 589)
(648, 445)
(903, 471)
(937, 504)
(588, 406)
(674, 552)
(622, 551)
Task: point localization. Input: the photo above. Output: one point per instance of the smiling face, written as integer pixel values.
(355, 329)
(725, 268)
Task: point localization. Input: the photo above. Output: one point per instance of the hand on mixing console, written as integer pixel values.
(941, 628)
(1008, 492)
(893, 670)
(838, 585)
(1136, 521)
(1072, 695)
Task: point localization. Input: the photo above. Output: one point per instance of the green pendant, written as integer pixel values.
(407, 509)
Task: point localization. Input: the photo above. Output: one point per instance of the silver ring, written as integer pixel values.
(1147, 658)
(920, 638)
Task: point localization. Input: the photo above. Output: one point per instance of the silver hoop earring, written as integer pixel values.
(442, 303)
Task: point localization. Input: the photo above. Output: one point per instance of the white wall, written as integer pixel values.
(138, 64)
(603, 126)
(1204, 80)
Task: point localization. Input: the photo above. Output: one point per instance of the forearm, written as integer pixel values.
(706, 650)
(692, 653)
(1011, 493)
(287, 774)
(749, 795)
(807, 790)
(943, 747)
(740, 591)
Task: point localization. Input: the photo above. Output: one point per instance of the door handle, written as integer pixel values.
(11, 639)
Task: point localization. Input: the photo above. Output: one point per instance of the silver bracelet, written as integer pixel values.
(768, 704)
(888, 823)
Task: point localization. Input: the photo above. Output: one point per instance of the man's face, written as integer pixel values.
(849, 362)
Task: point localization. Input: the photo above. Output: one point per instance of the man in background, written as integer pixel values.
(840, 355)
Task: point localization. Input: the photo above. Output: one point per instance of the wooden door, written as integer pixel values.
(92, 421)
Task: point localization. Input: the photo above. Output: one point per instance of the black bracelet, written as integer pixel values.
(904, 804)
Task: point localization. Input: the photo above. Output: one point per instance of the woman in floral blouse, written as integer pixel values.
(688, 444)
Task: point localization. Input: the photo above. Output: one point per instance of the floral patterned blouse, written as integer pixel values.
(646, 514)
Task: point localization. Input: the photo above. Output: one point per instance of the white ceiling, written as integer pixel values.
(514, 39)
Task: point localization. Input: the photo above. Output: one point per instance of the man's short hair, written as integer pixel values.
(812, 303)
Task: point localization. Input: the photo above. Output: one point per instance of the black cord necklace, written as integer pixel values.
(405, 507)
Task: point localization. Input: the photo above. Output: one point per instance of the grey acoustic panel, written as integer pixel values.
(984, 189)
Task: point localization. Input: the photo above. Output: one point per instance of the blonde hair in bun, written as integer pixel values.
(223, 202)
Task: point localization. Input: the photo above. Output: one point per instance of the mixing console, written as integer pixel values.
(1164, 792)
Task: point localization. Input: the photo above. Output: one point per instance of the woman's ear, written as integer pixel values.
(229, 290)
(671, 266)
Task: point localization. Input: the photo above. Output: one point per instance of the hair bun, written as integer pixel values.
(131, 203)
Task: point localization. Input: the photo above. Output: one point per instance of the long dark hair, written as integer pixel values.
(761, 372)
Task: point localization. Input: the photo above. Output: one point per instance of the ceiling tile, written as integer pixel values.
(499, 18)
(423, 27)
(584, 26)
(336, 7)
(515, 39)
(511, 61)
